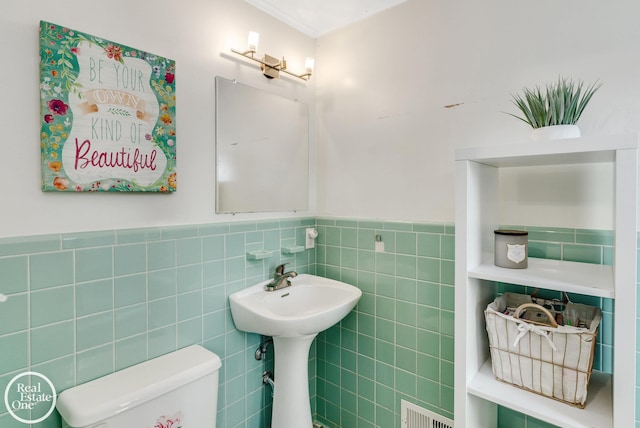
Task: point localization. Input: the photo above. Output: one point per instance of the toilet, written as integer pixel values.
(179, 389)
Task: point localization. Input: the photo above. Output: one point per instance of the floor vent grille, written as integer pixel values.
(417, 417)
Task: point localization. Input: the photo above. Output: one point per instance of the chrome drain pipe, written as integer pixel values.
(267, 379)
(262, 349)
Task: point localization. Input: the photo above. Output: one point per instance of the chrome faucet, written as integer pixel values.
(280, 279)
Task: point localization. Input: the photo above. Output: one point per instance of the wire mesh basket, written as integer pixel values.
(543, 347)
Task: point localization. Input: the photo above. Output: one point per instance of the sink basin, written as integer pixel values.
(312, 304)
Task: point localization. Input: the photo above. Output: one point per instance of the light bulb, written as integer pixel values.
(252, 43)
(309, 64)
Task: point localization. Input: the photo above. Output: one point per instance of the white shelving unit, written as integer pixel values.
(611, 398)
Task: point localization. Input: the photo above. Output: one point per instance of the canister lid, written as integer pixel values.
(511, 232)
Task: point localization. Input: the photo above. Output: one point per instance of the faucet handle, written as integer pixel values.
(280, 269)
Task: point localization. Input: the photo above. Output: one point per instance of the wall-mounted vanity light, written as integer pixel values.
(271, 66)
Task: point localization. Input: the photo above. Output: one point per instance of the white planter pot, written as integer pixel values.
(555, 132)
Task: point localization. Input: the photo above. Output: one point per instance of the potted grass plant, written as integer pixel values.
(553, 112)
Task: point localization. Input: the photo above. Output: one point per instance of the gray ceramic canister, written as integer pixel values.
(511, 248)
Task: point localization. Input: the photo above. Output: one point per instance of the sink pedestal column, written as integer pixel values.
(291, 406)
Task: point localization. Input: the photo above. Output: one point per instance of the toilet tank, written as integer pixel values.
(177, 390)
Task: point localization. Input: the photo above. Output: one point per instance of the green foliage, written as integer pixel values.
(118, 111)
(561, 103)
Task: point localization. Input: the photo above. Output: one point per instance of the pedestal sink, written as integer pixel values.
(293, 316)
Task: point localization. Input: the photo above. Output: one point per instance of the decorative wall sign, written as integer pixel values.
(108, 115)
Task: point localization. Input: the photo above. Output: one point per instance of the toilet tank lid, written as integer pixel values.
(107, 396)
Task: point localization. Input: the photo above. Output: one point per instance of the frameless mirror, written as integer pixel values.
(262, 150)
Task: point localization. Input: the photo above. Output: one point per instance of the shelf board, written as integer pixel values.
(572, 277)
(572, 150)
(598, 412)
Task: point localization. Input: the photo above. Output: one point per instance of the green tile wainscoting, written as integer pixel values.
(398, 343)
(83, 305)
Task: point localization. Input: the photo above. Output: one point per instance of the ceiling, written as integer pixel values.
(317, 17)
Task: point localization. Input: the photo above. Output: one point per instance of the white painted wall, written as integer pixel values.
(198, 34)
(387, 139)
